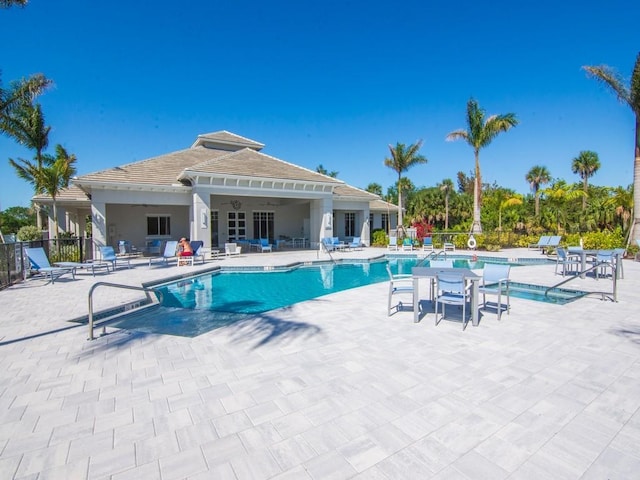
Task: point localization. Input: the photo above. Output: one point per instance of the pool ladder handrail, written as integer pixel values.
(614, 276)
(147, 290)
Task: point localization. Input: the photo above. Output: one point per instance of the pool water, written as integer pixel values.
(196, 305)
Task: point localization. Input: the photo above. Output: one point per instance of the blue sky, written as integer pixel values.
(331, 83)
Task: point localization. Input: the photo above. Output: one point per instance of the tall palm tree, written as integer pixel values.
(586, 164)
(537, 176)
(507, 201)
(631, 96)
(479, 134)
(446, 187)
(559, 194)
(10, 3)
(27, 127)
(20, 92)
(56, 177)
(402, 158)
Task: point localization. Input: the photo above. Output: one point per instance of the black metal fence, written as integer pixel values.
(14, 264)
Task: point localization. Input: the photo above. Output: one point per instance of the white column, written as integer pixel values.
(201, 217)
(99, 225)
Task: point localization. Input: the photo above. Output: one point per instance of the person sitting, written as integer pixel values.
(184, 248)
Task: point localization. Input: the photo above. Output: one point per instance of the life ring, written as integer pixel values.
(471, 243)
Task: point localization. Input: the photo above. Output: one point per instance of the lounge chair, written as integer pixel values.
(108, 254)
(427, 244)
(327, 244)
(554, 242)
(393, 244)
(40, 263)
(542, 242)
(452, 289)
(495, 279)
(356, 244)
(232, 249)
(398, 284)
(198, 250)
(407, 245)
(169, 253)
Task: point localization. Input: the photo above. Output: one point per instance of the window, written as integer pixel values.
(263, 225)
(350, 224)
(371, 221)
(385, 222)
(237, 226)
(158, 225)
(215, 225)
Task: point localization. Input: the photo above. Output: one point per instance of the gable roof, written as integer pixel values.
(224, 140)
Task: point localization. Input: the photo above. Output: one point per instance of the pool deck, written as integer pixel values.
(331, 388)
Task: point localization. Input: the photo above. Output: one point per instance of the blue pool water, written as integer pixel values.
(198, 304)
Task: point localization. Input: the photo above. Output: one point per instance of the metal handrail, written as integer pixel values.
(115, 285)
(614, 277)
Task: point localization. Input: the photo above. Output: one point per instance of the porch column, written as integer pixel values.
(201, 217)
(321, 220)
(99, 225)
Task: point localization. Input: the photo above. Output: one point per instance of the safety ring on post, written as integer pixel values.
(471, 243)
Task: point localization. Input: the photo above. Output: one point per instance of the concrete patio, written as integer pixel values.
(331, 388)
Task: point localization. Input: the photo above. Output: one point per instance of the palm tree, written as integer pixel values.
(586, 165)
(402, 158)
(27, 127)
(56, 176)
(558, 194)
(10, 3)
(20, 93)
(446, 187)
(631, 96)
(324, 171)
(480, 133)
(537, 176)
(374, 188)
(505, 202)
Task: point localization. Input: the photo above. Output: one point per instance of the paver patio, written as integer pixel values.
(331, 388)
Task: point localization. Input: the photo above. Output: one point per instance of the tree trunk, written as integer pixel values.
(635, 227)
(399, 205)
(476, 227)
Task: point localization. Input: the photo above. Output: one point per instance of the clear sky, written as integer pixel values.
(331, 82)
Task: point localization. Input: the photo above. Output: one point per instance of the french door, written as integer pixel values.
(236, 226)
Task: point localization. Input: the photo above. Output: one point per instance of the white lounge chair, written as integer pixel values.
(40, 263)
(393, 244)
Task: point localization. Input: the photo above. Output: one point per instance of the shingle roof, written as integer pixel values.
(223, 139)
(247, 162)
(73, 193)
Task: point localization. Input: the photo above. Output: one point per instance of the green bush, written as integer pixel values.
(379, 238)
(28, 233)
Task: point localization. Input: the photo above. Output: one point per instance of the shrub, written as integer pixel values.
(28, 233)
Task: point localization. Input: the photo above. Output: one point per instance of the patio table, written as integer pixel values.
(431, 273)
(583, 254)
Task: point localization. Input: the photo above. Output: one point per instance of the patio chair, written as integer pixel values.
(542, 242)
(407, 245)
(356, 244)
(169, 253)
(449, 247)
(108, 254)
(232, 249)
(393, 244)
(398, 284)
(40, 263)
(427, 244)
(604, 260)
(568, 261)
(451, 289)
(495, 279)
(265, 246)
(327, 244)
